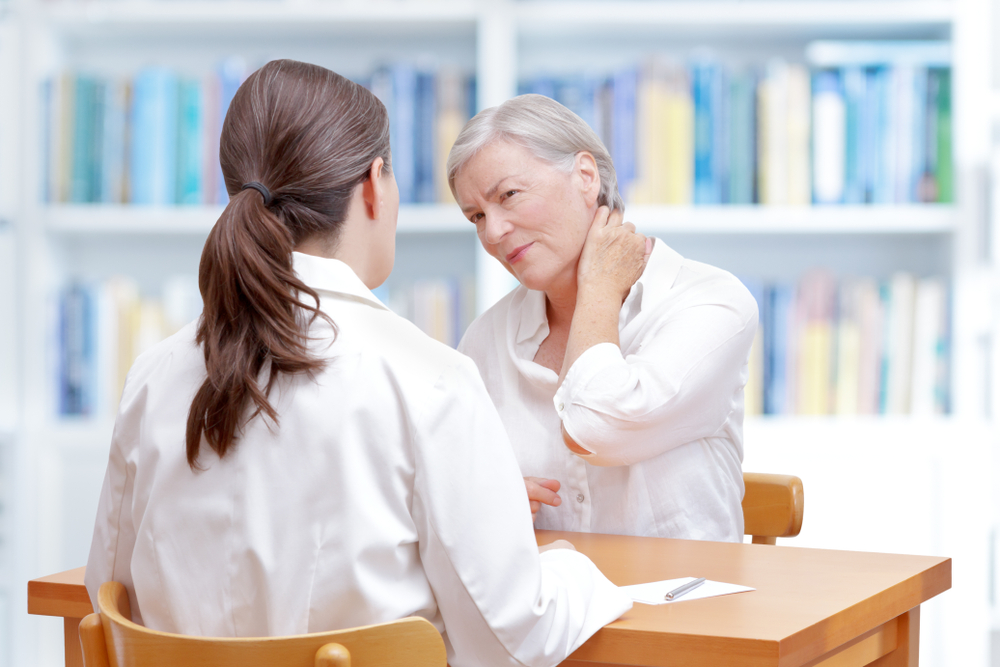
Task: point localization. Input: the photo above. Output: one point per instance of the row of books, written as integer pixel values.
(857, 346)
(101, 327)
(153, 138)
(443, 308)
(863, 123)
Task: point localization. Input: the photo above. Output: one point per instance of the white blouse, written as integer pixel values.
(388, 489)
(662, 415)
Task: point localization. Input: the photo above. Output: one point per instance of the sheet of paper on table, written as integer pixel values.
(652, 593)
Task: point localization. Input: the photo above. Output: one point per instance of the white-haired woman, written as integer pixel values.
(617, 366)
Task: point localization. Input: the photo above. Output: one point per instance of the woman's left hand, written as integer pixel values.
(613, 256)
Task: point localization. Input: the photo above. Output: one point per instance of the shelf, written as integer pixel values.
(804, 220)
(198, 220)
(93, 20)
(899, 18)
(430, 218)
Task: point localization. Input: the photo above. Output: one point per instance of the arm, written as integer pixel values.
(682, 384)
(502, 603)
(114, 534)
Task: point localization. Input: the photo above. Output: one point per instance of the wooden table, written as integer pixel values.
(811, 608)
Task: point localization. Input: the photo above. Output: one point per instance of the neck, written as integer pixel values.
(560, 305)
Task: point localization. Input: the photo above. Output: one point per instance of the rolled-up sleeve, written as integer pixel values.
(682, 383)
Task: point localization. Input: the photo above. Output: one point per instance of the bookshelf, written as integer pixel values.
(54, 465)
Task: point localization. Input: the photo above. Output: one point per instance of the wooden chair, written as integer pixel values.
(110, 639)
(772, 506)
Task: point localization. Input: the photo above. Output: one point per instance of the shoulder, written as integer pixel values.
(700, 284)
(416, 362)
(176, 352)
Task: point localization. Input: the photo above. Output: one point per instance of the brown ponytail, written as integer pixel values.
(309, 136)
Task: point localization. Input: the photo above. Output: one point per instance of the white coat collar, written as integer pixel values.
(332, 275)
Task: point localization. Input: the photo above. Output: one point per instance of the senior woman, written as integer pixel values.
(617, 365)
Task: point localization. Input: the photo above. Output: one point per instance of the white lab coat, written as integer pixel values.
(662, 414)
(387, 489)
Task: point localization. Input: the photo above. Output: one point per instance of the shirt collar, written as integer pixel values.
(652, 287)
(332, 275)
(656, 280)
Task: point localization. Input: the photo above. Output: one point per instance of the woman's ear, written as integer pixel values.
(373, 189)
(589, 175)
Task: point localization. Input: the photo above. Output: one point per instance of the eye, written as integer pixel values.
(509, 193)
(475, 217)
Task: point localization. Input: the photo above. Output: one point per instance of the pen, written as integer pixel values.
(686, 588)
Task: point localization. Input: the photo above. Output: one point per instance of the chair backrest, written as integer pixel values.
(110, 639)
(772, 506)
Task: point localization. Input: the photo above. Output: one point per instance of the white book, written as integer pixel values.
(798, 161)
(902, 127)
(871, 343)
(774, 139)
(899, 343)
(829, 132)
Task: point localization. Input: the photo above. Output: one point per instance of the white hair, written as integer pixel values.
(549, 130)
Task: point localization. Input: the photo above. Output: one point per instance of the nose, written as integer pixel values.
(497, 226)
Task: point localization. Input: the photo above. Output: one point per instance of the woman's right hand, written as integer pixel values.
(541, 491)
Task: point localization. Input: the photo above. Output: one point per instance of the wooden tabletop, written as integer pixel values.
(807, 602)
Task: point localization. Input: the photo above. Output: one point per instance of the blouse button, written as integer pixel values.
(579, 497)
(561, 407)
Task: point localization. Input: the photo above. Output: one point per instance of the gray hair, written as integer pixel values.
(549, 130)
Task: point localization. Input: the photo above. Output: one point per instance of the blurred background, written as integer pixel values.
(842, 157)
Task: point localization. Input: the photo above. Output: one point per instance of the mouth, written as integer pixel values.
(518, 254)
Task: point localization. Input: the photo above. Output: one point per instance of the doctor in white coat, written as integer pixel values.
(301, 459)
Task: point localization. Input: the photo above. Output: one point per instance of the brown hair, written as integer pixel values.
(309, 136)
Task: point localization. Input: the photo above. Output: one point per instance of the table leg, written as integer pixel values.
(71, 642)
(907, 651)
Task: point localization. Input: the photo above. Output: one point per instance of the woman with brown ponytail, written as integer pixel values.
(300, 459)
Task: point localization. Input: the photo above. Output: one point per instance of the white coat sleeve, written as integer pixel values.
(114, 532)
(501, 603)
(681, 385)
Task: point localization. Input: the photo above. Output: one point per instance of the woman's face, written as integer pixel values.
(531, 216)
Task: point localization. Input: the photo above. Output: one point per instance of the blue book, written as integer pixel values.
(113, 143)
(885, 172)
(869, 129)
(624, 84)
(854, 100)
(76, 351)
(96, 148)
(704, 169)
(540, 85)
(425, 141)
(231, 73)
(741, 114)
(778, 308)
(83, 140)
(401, 130)
(918, 138)
(577, 93)
(190, 142)
(49, 117)
(153, 141)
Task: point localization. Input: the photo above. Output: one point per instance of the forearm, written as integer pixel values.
(595, 321)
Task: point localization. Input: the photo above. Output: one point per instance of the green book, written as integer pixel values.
(945, 166)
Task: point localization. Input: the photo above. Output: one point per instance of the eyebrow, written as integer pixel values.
(489, 193)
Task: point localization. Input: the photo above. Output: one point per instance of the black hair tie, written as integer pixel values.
(262, 190)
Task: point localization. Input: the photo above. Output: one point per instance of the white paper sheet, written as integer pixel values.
(652, 593)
